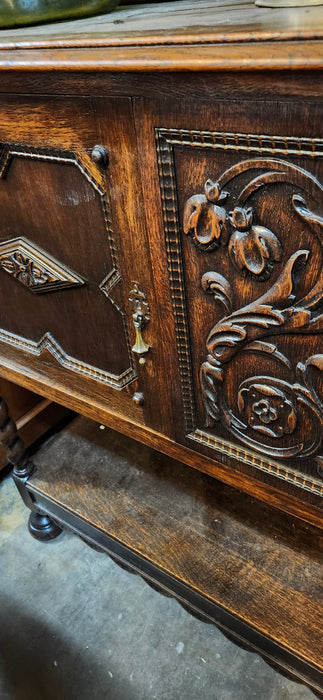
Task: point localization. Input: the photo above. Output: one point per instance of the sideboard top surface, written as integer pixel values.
(181, 35)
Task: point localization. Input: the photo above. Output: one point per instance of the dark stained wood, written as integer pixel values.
(262, 567)
(173, 157)
(77, 326)
(33, 415)
(174, 36)
(21, 401)
(10, 439)
(226, 85)
(133, 240)
(161, 191)
(199, 252)
(69, 393)
(23, 406)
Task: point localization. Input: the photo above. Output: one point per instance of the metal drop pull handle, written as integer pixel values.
(140, 317)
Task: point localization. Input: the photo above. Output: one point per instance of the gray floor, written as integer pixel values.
(74, 625)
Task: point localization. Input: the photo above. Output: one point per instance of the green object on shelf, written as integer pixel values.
(15, 13)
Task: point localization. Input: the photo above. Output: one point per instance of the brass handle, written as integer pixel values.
(140, 317)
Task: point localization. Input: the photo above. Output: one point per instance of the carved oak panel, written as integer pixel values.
(244, 248)
(56, 240)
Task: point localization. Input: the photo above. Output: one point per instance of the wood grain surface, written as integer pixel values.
(32, 414)
(179, 22)
(122, 85)
(186, 35)
(261, 566)
(288, 55)
(60, 388)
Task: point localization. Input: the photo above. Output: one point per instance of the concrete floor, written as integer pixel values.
(74, 626)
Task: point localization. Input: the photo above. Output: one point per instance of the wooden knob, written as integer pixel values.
(100, 155)
(138, 398)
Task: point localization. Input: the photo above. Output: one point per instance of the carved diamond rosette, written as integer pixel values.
(267, 408)
(34, 268)
(276, 417)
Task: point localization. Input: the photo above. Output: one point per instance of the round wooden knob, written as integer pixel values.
(138, 398)
(100, 155)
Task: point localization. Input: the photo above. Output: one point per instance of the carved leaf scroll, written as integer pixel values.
(217, 285)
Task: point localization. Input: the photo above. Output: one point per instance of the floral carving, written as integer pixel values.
(254, 249)
(268, 404)
(270, 407)
(204, 219)
(267, 409)
(35, 269)
(241, 218)
(268, 323)
(25, 270)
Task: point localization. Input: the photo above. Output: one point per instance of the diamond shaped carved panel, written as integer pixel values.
(51, 203)
(34, 268)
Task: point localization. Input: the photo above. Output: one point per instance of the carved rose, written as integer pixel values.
(204, 219)
(267, 409)
(254, 249)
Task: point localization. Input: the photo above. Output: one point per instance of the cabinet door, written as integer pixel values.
(64, 310)
(239, 209)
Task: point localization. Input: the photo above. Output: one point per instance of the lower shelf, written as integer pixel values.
(253, 571)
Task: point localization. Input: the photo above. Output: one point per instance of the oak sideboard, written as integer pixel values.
(161, 180)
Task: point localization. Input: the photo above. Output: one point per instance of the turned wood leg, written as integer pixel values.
(23, 467)
(40, 526)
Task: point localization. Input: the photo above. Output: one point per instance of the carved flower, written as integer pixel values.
(204, 219)
(241, 219)
(254, 249)
(267, 409)
(25, 270)
(213, 192)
